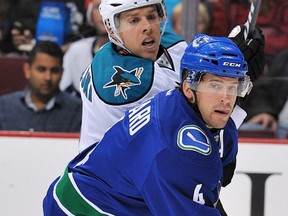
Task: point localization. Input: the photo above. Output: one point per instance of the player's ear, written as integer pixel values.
(187, 91)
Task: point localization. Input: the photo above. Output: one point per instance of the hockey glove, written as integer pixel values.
(252, 49)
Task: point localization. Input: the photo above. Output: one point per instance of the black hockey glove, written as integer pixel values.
(252, 49)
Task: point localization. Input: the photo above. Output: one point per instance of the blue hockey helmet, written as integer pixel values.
(214, 55)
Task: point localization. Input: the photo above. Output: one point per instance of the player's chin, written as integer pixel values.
(150, 54)
(219, 123)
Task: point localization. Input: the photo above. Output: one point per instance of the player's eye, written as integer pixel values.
(216, 86)
(133, 21)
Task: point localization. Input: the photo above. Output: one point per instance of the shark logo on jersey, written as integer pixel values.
(123, 79)
(193, 138)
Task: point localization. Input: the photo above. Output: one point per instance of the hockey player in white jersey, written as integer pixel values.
(162, 157)
(136, 64)
(133, 67)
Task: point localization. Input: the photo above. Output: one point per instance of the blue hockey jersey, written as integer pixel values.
(159, 159)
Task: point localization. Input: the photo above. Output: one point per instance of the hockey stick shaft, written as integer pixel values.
(252, 17)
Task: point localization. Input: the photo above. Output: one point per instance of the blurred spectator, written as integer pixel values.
(18, 27)
(75, 61)
(273, 20)
(203, 18)
(41, 106)
(226, 14)
(267, 105)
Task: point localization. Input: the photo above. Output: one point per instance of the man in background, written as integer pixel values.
(41, 106)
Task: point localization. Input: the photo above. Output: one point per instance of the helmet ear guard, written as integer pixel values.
(217, 56)
(193, 78)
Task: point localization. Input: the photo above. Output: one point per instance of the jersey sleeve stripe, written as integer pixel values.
(71, 200)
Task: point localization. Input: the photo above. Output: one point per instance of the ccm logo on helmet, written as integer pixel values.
(232, 64)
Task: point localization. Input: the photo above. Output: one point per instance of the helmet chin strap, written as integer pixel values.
(121, 50)
(115, 38)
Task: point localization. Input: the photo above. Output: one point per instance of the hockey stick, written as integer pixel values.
(252, 17)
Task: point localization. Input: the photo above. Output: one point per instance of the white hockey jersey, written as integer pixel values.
(114, 83)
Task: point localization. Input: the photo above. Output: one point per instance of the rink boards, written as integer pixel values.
(29, 162)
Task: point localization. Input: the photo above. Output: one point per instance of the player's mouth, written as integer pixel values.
(148, 43)
(222, 112)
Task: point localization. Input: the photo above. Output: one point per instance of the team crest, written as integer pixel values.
(122, 80)
(193, 138)
(200, 40)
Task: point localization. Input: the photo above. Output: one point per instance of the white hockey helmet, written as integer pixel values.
(109, 9)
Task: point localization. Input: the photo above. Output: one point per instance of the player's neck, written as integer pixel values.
(100, 41)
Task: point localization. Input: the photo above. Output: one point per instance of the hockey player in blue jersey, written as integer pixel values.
(136, 64)
(166, 156)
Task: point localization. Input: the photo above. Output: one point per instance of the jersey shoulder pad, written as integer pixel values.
(169, 39)
(120, 79)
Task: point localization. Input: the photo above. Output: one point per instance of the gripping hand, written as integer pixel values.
(252, 49)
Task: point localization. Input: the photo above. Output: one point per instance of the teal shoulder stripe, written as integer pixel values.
(72, 200)
(169, 39)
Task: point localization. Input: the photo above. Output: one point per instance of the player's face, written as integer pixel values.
(44, 75)
(139, 30)
(216, 97)
(215, 100)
